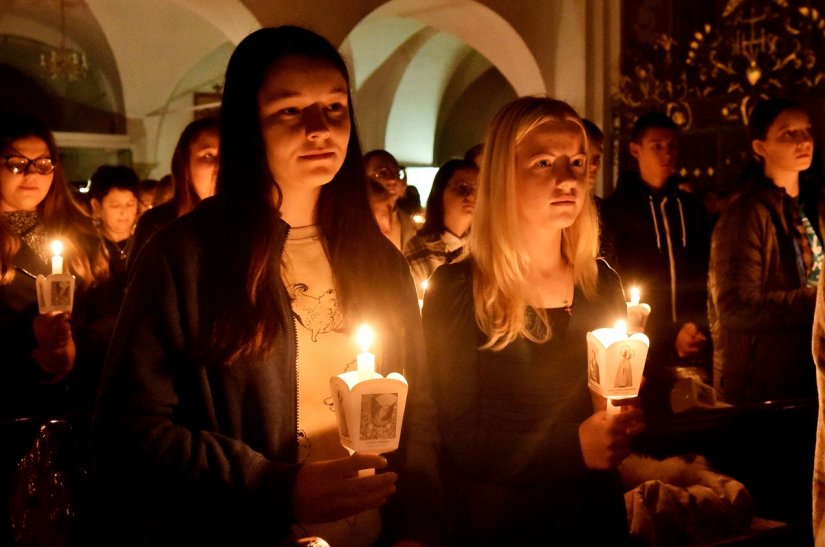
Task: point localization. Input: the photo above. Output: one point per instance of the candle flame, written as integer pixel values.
(635, 296)
(57, 247)
(419, 219)
(364, 337)
(424, 285)
(621, 326)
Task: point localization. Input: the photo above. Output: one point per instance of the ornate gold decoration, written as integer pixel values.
(63, 63)
(757, 50)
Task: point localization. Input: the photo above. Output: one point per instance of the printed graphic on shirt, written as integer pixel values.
(318, 314)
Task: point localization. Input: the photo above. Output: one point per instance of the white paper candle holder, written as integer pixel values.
(369, 411)
(55, 292)
(616, 362)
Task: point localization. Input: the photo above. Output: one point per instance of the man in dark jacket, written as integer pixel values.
(657, 237)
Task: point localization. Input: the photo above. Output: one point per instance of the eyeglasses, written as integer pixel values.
(385, 173)
(463, 189)
(20, 164)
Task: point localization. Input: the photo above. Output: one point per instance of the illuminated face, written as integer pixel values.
(24, 191)
(788, 145)
(551, 173)
(117, 213)
(203, 163)
(460, 197)
(383, 169)
(656, 153)
(304, 117)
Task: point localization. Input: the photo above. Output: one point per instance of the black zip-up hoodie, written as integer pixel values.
(659, 240)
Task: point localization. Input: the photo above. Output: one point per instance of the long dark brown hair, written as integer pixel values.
(247, 316)
(185, 198)
(61, 216)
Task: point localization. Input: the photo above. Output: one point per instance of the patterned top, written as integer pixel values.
(27, 225)
(816, 249)
(425, 253)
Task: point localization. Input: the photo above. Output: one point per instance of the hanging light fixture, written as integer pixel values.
(64, 63)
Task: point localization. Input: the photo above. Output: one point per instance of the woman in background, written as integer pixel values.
(39, 375)
(766, 259)
(528, 454)
(194, 167)
(450, 207)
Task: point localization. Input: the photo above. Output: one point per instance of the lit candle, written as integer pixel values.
(419, 218)
(366, 359)
(424, 285)
(637, 313)
(57, 260)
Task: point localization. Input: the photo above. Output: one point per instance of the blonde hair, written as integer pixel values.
(500, 259)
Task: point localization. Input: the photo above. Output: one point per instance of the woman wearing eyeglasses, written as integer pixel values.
(39, 352)
(383, 169)
(450, 208)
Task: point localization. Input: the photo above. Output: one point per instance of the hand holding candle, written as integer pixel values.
(637, 313)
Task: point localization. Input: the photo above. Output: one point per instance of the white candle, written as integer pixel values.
(366, 359)
(57, 260)
(637, 313)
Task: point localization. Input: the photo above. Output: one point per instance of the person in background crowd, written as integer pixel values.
(595, 142)
(657, 238)
(115, 206)
(44, 355)
(194, 167)
(450, 208)
(527, 453)
(212, 424)
(383, 168)
(766, 259)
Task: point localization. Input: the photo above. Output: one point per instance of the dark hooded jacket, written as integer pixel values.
(658, 240)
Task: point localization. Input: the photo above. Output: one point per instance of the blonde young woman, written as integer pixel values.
(527, 454)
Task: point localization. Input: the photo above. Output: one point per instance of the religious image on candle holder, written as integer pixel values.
(369, 407)
(55, 292)
(616, 361)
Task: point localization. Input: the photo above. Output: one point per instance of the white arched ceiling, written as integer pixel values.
(158, 45)
(411, 131)
(498, 41)
(406, 53)
(156, 42)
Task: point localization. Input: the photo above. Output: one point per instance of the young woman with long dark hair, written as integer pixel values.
(213, 415)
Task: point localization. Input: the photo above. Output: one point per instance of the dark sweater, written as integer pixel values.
(206, 454)
(511, 463)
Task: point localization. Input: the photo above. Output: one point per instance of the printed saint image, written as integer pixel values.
(318, 314)
(378, 416)
(594, 367)
(624, 374)
(61, 293)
